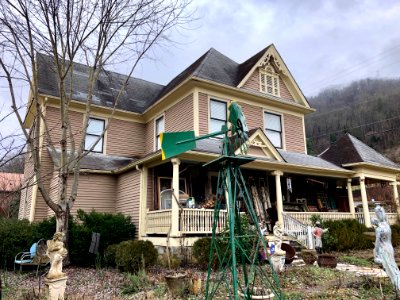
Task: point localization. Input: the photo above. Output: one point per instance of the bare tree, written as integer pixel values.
(96, 33)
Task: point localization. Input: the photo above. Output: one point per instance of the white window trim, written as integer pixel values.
(264, 72)
(211, 98)
(104, 135)
(283, 141)
(155, 130)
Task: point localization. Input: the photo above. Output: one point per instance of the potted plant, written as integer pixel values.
(327, 261)
(308, 256)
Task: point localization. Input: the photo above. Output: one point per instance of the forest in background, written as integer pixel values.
(369, 109)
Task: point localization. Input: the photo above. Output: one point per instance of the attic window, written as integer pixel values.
(269, 81)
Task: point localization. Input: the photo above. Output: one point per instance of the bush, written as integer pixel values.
(345, 235)
(132, 256)
(15, 236)
(201, 252)
(109, 255)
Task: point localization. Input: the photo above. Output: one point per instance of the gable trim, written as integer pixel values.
(265, 145)
(271, 54)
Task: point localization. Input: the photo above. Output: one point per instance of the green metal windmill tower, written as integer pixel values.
(235, 269)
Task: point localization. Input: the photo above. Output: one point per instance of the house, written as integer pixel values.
(10, 184)
(125, 172)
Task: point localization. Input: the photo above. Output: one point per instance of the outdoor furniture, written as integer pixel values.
(36, 256)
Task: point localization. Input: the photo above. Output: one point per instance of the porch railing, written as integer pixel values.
(200, 220)
(158, 221)
(305, 217)
(295, 229)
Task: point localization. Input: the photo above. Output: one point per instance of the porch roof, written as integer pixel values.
(96, 161)
(292, 158)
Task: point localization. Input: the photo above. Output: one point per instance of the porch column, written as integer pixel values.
(175, 207)
(394, 184)
(367, 218)
(143, 201)
(350, 197)
(279, 202)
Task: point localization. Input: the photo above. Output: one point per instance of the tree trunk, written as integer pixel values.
(62, 218)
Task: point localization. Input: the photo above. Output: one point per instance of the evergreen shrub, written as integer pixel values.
(345, 235)
(109, 255)
(132, 256)
(15, 236)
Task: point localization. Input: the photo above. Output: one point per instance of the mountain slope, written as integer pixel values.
(369, 109)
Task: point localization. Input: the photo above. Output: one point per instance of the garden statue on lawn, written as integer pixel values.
(56, 251)
(317, 233)
(383, 252)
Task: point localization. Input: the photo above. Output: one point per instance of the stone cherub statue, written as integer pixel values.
(56, 251)
(383, 252)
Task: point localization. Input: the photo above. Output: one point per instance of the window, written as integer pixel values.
(269, 81)
(159, 130)
(94, 133)
(218, 115)
(273, 128)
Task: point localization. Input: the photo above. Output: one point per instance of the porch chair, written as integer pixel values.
(34, 257)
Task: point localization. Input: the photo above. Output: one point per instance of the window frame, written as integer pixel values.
(265, 113)
(103, 134)
(157, 135)
(213, 99)
(264, 73)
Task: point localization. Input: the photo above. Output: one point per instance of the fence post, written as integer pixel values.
(310, 237)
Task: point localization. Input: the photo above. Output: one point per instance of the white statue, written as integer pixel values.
(383, 252)
(56, 251)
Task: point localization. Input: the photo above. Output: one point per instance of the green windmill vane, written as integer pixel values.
(234, 265)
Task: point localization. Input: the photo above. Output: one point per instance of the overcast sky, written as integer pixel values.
(323, 43)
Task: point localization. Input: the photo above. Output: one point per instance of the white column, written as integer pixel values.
(394, 184)
(279, 202)
(364, 200)
(350, 197)
(175, 207)
(143, 201)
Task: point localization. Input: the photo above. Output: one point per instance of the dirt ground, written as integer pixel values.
(297, 282)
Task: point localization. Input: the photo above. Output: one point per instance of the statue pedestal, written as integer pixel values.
(55, 288)
(278, 261)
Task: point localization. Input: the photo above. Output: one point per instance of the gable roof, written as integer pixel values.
(349, 150)
(141, 94)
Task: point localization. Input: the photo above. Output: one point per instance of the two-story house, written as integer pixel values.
(125, 172)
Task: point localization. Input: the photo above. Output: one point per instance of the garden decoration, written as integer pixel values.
(383, 252)
(240, 271)
(317, 233)
(56, 280)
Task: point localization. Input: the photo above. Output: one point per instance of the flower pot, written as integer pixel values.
(176, 283)
(308, 256)
(259, 293)
(327, 261)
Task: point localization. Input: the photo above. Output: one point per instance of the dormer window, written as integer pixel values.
(269, 81)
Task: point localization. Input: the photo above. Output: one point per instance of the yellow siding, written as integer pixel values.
(180, 116)
(294, 134)
(26, 191)
(128, 195)
(125, 138)
(47, 174)
(203, 113)
(97, 192)
(149, 137)
(253, 115)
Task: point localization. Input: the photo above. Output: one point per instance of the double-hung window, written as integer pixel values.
(269, 81)
(218, 115)
(273, 128)
(159, 130)
(95, 133)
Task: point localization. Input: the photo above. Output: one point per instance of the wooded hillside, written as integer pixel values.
(369, 109)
